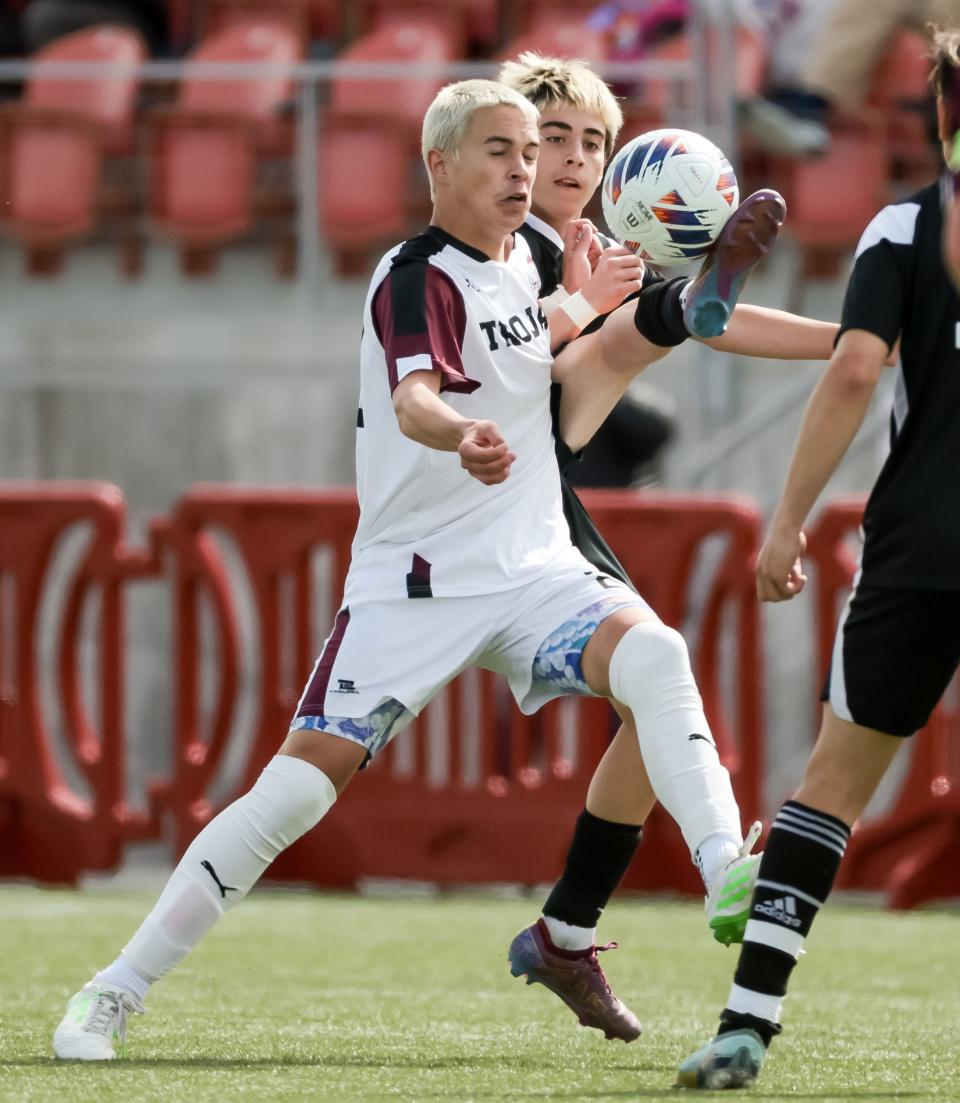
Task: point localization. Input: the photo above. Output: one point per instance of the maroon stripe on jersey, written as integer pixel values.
(316, 695)
(418, 311)
(418, 580)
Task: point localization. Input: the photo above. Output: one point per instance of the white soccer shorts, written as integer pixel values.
(385, 661)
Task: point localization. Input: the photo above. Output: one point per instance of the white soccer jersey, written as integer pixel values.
(427, 528)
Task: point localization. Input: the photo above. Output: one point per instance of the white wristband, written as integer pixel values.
(554, 300)
(578, 310)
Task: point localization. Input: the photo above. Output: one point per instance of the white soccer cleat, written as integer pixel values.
(94, 1026)
(728, 898)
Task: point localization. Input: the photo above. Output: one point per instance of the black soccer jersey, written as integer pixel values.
(899, 288)
(546, 248)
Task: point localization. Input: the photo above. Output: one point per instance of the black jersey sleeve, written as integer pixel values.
(875, 296)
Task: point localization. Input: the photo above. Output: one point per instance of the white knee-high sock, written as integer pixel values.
(650, 674)
(220, 867)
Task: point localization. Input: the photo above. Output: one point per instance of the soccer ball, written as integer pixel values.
(667, 195)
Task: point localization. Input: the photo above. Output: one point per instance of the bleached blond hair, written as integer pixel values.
(448, 117)
(561, 82)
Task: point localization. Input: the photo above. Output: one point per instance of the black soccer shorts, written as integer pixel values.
(894, 654)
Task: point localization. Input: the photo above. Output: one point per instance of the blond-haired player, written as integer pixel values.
(462, 556)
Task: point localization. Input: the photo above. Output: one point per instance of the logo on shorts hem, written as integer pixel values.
(345, 685)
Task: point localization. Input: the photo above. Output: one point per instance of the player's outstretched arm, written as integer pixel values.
(834, 414)
(423, 416)
(775, 335)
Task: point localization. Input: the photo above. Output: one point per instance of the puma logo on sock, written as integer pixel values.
(224, 889)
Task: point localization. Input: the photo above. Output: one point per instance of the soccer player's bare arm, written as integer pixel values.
(423, 416)
(834, 415)
(775, 335)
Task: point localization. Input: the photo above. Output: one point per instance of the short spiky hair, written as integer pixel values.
(448, 117)
(559, 82)
(945, 54)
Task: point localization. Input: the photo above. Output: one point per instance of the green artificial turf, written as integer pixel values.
(303, 996)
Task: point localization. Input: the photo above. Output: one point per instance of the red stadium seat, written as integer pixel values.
(203, 151)
(831, 199)
(404, 102)
(52, 147)
(473, 26)
(50, 169)
(900, 88)
(525, 15)
(376, 123)
(360, 210)
(218, 15)
(310, 19)
(110, 101)
(255, 99)
(563, 37)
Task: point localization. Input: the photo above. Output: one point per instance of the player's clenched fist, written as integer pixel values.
(618, 273)
(779, 568)
(484, 453)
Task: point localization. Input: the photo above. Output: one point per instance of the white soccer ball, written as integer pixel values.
(667, 195)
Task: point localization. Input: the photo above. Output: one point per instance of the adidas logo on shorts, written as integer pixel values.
(782, 910)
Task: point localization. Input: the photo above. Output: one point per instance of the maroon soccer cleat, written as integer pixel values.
(743, 242)
(576, 977)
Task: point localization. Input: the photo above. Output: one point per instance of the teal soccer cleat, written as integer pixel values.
(730, 1061)
(742, 244)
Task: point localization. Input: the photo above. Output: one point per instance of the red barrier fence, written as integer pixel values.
(60, 815)
(912, 852)
(473, 791)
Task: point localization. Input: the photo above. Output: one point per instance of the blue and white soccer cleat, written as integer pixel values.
(744, 241)
(94, 1026)
(729, 897)
(730, 1061)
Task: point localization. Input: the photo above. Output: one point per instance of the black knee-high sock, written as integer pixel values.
(659, 312)
(597, 859)
(796, 874)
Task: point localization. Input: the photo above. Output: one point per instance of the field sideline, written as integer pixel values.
(301, 996)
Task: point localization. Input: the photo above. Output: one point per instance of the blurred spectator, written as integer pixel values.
(854, 39)
(634, 29)
(629, 444)
(845, 52)
(46, 20)
(790, 30)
